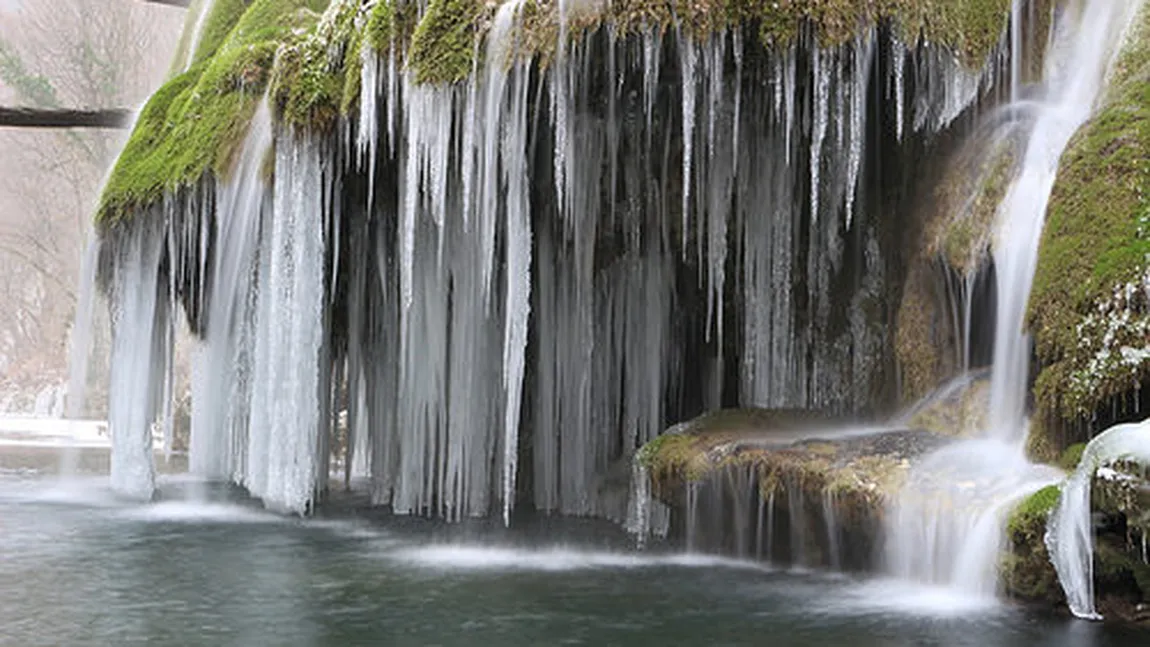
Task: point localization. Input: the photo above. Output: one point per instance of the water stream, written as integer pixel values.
(946, 526)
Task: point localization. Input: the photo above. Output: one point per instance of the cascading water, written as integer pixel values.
(946, 526)
(1070, 535)
(525, 253)
(221, 383)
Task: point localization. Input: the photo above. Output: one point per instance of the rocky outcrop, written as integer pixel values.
(781, 485)
(1090, 305)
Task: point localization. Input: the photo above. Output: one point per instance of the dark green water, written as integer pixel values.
(79, 568)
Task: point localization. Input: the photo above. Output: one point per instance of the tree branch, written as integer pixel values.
(171, 3)
(51, 118)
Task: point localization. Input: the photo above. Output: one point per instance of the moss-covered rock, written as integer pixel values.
(1088, 309)
(812, 472)
(195, 123)
(444, 44)
(1024, 568)
(316, 77)
(968, 200)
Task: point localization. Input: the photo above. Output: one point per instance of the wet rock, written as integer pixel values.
(786, 486)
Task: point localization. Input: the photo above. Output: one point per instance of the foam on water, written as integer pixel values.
(902, 598)
(474, 557)
(191, 512)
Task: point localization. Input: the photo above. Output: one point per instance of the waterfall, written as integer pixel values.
(1074, 79)
(1070, 533)
(947, 523)
(221, 383)
(513, 282)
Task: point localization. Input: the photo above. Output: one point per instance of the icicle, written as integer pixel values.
(288, 408)
(646, 516)
(220, 385)
(822, 82)
(863, 54)
(367, 128)
(898, 66)
(139, 319)
(688, 61)
(652, 51)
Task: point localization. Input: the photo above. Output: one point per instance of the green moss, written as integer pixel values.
(216, 27)
(672, 454)
(310, 85)
(1024, 567)
(195, 123)
(380, 29)
(1071, 457)
(443, 46)
(1096, 240)
(1029, 518)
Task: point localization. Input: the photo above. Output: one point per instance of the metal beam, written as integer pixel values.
(45, 118)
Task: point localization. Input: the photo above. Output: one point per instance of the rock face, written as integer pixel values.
(1120, 500)
(783, 486)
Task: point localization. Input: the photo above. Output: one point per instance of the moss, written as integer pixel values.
(1095, 242)
(673, 454)
(1029, 519)
(443, 46)
(1024, 566)
(380, 28)
(1071, 457)
(196, 122)
(216, 27)
(310, 86)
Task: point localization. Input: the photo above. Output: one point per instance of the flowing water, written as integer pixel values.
(947, 523)
(1070, 535)
(222, 571)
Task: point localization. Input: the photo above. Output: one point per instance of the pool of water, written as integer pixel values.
(203, 567)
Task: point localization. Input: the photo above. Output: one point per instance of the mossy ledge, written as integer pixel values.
(795, 459)
(194, 124)
(1088, 308)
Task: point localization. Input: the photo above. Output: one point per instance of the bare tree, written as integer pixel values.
(91, 55)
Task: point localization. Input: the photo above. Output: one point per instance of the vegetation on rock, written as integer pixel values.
(443, 45)
(1024, 567)
(1088, 308)
(195, 123)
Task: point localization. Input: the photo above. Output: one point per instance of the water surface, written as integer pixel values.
(204, 567)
